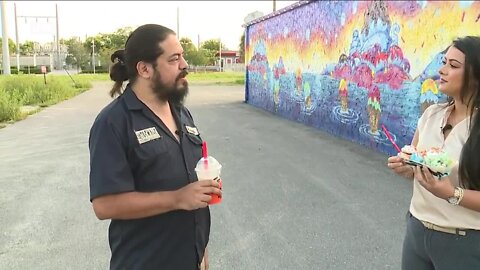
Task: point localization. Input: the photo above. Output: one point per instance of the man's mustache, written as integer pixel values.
(182, 74)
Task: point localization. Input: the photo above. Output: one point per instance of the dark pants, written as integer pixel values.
(426, 249)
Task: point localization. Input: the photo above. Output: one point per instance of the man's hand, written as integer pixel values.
(197, 195)
(204, 264)
(397, 165)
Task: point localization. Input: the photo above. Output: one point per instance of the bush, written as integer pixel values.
(9, 109)
(19, 90)
(28, 70)
(98, 69)
(80, 82)
(26, 90)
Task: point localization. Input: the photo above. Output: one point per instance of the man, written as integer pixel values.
(143, 150)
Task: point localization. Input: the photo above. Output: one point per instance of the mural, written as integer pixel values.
(347, 67)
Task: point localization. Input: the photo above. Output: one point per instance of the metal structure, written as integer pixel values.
(58, 62)
(6, 54)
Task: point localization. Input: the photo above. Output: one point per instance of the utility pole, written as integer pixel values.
(57, 40)
(5, 52)
(59, 64)
(16, 37)
(93, 54)
(178, 22)
(274, 5)
(220, 54)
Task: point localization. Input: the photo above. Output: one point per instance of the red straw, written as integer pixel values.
(204, 149)
(205, 155)
(391, 139)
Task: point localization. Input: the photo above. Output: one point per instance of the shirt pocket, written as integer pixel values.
(151, 150)
(196, 145)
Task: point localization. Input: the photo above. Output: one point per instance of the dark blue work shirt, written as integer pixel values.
(132, 150)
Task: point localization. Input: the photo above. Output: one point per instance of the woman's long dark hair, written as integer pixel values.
(469, 167)
(143, 44)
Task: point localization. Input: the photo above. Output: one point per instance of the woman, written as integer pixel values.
(443, 228)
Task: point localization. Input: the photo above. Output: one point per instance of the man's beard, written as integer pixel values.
(175, 94)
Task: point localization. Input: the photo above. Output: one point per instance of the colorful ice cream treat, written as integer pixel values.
(374, 109)
(308, 95)
(298, 81)
(343, 93)
(276, 92)
(407, 151)
(417, 157)
(438, 160)
(428, 95)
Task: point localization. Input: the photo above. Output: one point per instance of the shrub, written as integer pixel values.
(9, 109)
(28, 70)
(98, 69)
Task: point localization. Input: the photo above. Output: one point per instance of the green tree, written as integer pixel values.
(192, 55)
(119, 37)
(106, 44)
(187, 45)
(77, 54)
(27, 47)
(198, 58)
(241, 47)
(104, 56)
(210, 48)
(11, 46)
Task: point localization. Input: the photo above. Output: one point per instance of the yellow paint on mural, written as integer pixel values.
(439, 26)
(429, 85)
(421, 37)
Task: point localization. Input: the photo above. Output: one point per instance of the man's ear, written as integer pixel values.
(144, 70)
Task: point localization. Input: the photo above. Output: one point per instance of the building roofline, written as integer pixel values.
(278, 12)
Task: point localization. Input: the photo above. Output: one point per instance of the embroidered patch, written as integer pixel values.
(146, 135)
(192, 130)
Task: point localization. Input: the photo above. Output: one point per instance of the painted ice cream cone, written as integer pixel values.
(308, 95)
(374, 110)
(276, 92)
(343, 93)
(298, 81)
(428, 95)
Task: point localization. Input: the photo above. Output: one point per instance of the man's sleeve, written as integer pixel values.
(110, 171)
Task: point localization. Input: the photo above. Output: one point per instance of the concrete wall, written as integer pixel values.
(347, 67)
(38, 60)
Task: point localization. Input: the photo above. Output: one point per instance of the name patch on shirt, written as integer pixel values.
(146, 135)
(192, 130)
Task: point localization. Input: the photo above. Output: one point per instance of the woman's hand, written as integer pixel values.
(441, 188)
(396, 164)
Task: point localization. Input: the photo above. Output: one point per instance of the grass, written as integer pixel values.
(228, 78)
(223, 78)
(19, 91)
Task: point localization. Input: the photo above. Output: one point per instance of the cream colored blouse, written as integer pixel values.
(424, 205)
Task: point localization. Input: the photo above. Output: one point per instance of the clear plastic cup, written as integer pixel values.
(209, 169)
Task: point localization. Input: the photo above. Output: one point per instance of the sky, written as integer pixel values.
(217, 19)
